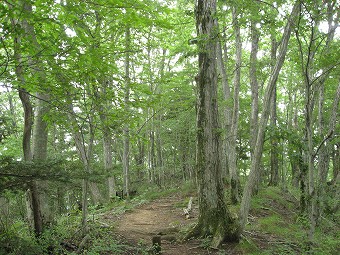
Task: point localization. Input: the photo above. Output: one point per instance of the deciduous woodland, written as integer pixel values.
(218, 120)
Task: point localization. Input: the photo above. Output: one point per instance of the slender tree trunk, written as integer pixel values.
(274, 161)
(108, 166)
(140, 158)
(232, 156)
(160, 164)
(126, 131)
(256, 160)
(214, 217)
(336, 163)
(12, 110)
(312, 87)
(255, 36)
(325, 148)
(107, 138)
(227, 113)
(85, 156)
(151, 155)
(293, 157)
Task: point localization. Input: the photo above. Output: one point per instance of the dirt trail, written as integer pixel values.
(160, 217)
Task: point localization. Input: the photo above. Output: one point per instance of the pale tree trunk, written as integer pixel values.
(232, 156)
(40, 132)
(85, 156)
(255, 36)
(40, 136)
(152, 153)
(292, 124)
(33, 208)
(214, 217)
(126, 138)
(323, 157)
(324, 149)
(274, 162)
(336, 163)
(159, 126)
(312, 86)
(227, 112)
(140, 158)
(58, 144)
(108, 166)
(310, 159)
(107, 142)
(256, 160)
(38, 215)
(12, 110)
(159, 153)
(335, 182)
(103, 107)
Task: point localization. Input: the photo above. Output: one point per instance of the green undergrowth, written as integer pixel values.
(276, 227)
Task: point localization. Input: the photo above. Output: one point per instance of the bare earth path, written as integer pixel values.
(160, 217)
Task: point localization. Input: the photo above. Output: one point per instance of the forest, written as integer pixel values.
(169, 127)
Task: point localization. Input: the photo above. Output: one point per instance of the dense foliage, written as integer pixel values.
(99, 98)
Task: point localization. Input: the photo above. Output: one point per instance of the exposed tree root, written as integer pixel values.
(223, 233)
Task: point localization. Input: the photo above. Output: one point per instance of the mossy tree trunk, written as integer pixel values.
(214, 217)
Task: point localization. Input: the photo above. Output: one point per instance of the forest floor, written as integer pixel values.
(162, 217)
(273, 227)
(126, 227)
(165, 217)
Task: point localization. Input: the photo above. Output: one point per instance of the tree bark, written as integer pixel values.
(214, 217)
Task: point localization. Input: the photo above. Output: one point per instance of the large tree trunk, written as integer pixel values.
(256, 160)
(38, 215)
(214, 217)
(40, 132)
(40, 138)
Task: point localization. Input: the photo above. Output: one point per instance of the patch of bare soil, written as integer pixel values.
(161, 218)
